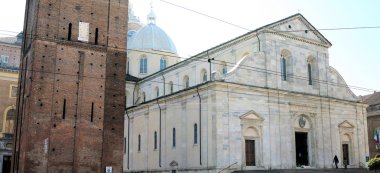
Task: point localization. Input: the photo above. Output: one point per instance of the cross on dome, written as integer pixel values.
(151, 16)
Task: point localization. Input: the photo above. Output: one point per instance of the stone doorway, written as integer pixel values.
(250, 153)
(302, 154)
(346, 156)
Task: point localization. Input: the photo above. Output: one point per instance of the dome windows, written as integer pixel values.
(130, 33)
(143, 64)
(151, 37)
(163, 63)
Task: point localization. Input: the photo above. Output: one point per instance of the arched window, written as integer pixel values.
(143, 97)
(309, 73)
(224, 68)
(157, 91)
(143, 64)
(9, 119)
(204, 75)
(186, 82)
(139, 143)
(155, 140)
(283, 68)
(309, 70)
(171, 89)
(284, 61)
(195, 133)
(174, 137)
(162, 63)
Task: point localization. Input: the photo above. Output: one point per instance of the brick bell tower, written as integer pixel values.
(70, 104)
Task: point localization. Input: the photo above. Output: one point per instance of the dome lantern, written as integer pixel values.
(151, 16)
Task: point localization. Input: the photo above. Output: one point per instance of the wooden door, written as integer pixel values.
(250, 153)
(346, 156)
(6, 164)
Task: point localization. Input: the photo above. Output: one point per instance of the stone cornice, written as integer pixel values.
(306, 108)
(297, 38)
(310, 27)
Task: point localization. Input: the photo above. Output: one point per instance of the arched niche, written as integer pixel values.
(286, 65)
(251, 133)
(9, 117)
(203, 76)
(285, 54)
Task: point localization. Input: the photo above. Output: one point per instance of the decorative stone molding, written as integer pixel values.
(346, 124)
(308, 25)
(303, 108)
(251, 115)
(346, 128)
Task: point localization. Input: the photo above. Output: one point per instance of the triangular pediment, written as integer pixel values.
(298, 27)
(345, 124)
(251, 115)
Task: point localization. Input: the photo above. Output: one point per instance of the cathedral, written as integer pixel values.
(267, 99)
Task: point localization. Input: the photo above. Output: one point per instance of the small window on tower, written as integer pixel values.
(13, 91)
(4, 59)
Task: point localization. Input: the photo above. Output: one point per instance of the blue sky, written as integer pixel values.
(355, 53)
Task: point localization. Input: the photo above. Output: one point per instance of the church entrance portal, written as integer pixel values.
(302, 154)
(250, 153)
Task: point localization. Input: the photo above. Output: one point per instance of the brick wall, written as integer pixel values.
(71, 105)
(13, 51)
(7, 80)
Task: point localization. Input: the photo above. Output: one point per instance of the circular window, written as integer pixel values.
(131, 33)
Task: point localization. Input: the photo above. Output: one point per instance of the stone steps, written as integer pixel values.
(351, 170)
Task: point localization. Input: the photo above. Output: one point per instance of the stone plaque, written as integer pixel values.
(84, 29)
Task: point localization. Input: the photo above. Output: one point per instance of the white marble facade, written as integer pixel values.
(245, 98)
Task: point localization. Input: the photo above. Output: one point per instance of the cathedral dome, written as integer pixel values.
(152, 37)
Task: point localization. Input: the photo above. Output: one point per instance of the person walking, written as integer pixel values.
(336, 161)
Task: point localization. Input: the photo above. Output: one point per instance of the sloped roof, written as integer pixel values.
(8, 40)
(309, 26)
(131, 78)
(325, 42)
(372, 99)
